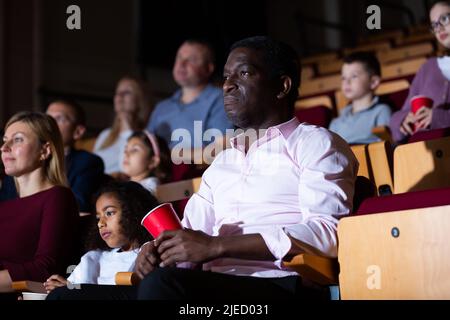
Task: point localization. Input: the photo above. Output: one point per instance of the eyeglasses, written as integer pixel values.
(443, 21)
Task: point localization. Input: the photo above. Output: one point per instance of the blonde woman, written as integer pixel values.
(38, 229)
(131, 108)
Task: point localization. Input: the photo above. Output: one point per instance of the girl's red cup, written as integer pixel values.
(162, 218)
(418, 102)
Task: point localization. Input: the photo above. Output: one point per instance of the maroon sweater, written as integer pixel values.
(38, 234)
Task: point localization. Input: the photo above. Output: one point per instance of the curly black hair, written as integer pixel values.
(135, 202)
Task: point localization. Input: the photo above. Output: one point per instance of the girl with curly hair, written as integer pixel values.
(115, 238)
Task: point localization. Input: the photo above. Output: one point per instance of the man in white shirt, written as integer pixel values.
(279, 191)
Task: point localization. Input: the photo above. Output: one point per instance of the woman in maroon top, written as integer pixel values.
(38, 229)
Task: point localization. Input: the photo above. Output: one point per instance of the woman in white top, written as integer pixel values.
(146, 160)
(115, 238)
(132, 111)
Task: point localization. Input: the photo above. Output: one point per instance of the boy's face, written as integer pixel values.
(356, 81)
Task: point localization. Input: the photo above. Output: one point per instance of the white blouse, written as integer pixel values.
(444, 65)
(100, 267)
(113, 155)
(150, 184)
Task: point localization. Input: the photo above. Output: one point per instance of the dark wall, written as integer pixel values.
(165, 24)
(41, 59)
(18, 49)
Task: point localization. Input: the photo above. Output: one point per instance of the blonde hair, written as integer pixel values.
(47, 131)
(140, 116)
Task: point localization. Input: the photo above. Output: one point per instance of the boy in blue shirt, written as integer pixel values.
(361, 75)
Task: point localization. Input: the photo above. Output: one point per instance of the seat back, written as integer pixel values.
(307, 73)
(330, 67)
(318, 58)
(321, 85)
(315, 110)
(86, 144)
(411, 51)
(369, 47)
(380, 155)
(422, 165)
(175, 191)
(393, 92)
(402, 69)
(178, 193)
(415, 37)
(361, 154)
(395, 255)
(429, 135)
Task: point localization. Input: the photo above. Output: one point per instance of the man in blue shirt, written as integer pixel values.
(197, 106)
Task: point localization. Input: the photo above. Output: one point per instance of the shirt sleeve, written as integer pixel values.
(199, 215)
(87, 271)
(325, 192)
(153, 121)
(384, 115)
(440, 118)
(199, 211)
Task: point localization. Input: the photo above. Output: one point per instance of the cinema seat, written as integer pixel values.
(395, 255)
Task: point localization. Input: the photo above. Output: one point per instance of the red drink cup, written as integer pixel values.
(418, 102)
(160, 219)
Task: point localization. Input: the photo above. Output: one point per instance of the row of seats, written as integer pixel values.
(390, 218)
(415, 166)
(320, 109)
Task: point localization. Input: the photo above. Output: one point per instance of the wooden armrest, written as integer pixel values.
(322, 270)
(126, 279)
(31, 286)
(382, 132)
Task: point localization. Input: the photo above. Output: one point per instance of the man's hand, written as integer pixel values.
(423, 118)
(186, 246)
(407, 125)
(147, 260)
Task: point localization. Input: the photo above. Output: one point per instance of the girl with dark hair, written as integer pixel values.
(146, 160)
(115, 238)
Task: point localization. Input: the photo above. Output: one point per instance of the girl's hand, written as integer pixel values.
(53, 282)
(423, 117)
(147, 260)
(406, 127)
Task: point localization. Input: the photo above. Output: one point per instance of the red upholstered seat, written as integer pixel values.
(404, 201)
(429, 135)
(320, 115)
(395, 99)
